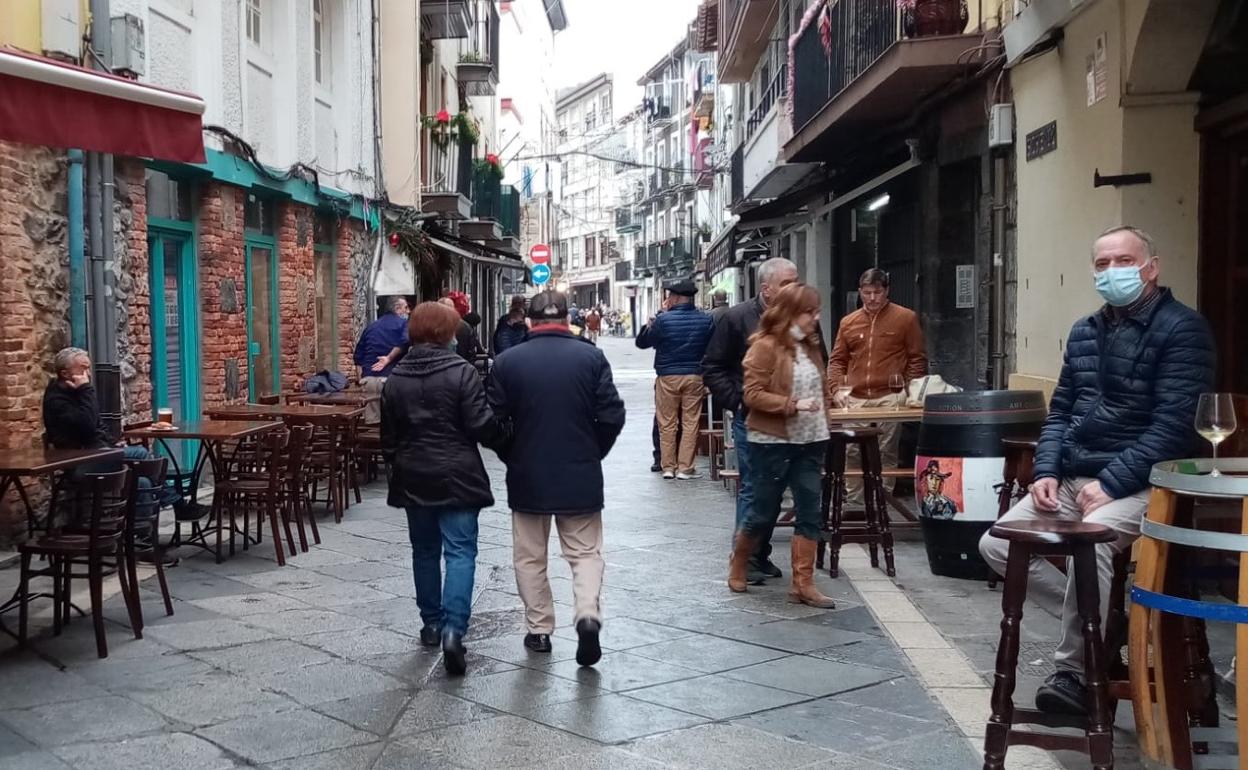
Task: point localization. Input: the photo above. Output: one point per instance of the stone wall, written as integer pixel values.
(223, 293)
(132, 287)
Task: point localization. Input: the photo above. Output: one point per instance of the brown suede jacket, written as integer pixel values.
(871, 347)
(768, 394)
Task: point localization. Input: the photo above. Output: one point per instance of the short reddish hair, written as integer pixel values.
(432, 323)
(460, 301)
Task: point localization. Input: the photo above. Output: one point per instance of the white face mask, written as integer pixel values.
(797, 333)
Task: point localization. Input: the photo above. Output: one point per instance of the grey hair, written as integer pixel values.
(392, 303)
(66, 356)
(720, 294)
(1150, 245)
(768, 269)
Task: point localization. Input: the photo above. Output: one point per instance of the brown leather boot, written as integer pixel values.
(742, 549)
(802, 589)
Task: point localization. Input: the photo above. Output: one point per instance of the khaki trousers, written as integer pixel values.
(1123, 516)
(678, 400)
(580, 538)
(372, 410)
(888, 443)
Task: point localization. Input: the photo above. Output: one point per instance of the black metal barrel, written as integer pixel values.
(959, 468)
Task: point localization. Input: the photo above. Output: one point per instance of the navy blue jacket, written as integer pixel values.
(1127, 395)
(378, 339)
(679, 337)
(508, 334)
(556, 393)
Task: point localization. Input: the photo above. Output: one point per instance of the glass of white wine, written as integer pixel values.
(1215, 421)
(897, 384)
(841, 392)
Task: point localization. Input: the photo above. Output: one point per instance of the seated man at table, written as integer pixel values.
(1125, 400)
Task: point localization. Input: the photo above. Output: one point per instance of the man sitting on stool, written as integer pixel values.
(1126, 399)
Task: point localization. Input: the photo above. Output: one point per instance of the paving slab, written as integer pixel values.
(815, 677)
(29, 681)
(836, 725)
(241, 605)
(108, 718)
(518, 691)
(286, 734)
(330, 681)
(373, 712)
(267, 657)
(217, 697)
(182, 751)
(716, 696)
(431, 710)
(612, 718)
(361, 642)
(335, 759)
(208, 634)
(727, 747)
(708, 654)
(620, 671)
(502, 742)
(793, 635)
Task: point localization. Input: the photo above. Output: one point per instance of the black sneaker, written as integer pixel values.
(765, 566)
(430, 636)
(588, 651)
(1062, 693)
(537, 642)
(656, 468)
(454, 656)
(753, 576)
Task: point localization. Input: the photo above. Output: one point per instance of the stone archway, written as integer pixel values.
(1169, 38)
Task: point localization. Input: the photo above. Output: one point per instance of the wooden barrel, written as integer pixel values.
(959, 468)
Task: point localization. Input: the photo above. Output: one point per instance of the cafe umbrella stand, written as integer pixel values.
(959, 468)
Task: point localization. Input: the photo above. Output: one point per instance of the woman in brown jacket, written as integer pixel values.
(787, 428)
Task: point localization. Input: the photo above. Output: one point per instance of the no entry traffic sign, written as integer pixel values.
(539, 254)
(540, 274)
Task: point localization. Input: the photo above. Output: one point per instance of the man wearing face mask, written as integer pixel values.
(1126, 399)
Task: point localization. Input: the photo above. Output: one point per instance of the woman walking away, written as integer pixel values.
(512, 328)
(787, 429)
(433, 415)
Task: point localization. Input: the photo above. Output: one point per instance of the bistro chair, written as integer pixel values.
(256, 482)
(143, 538)
(295, 502)
(325, 467)
(106, 501)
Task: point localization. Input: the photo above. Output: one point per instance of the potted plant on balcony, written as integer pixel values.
(925, 18)
(489, 167)
(441, 130)
(473, 68)
(467, 127)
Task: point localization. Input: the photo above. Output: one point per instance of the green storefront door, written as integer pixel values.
(175, 330)
(264, 366)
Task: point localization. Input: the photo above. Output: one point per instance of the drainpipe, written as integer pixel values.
(77, 265)
(996, 320)
(103, 313)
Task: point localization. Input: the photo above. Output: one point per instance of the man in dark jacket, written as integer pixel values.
(380, 347)
(1125, 400)
(723, 375)
(512, 328)
(679, 339)
(557, 392)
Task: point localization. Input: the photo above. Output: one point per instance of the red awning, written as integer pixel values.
(48, 103)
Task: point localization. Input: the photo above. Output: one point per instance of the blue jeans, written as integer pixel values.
(436, 535)
(745, 483)
(796, 466)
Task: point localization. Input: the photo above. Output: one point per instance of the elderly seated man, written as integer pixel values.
(1126, 399)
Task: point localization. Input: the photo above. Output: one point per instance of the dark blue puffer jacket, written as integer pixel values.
(679, 337)
(1127, 395)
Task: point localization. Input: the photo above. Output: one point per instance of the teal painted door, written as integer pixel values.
(175, 331)
(264, 368)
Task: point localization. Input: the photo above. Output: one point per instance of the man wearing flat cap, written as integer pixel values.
(679, 337)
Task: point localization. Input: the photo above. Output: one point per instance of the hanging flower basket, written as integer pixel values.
(441, 131)
(937, 17)
(489, 167)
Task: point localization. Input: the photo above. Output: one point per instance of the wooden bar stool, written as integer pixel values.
(1018, 476)
(1078, 540)
(1162, 673)
(873, 529)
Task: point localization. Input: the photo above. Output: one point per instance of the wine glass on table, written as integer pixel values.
(897, 384)
(1215, 421)
(841, 391)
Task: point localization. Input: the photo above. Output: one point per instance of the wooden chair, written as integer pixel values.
(295, 501)
(324, 465)
(143, 537)
(106, 501)
(254, 481)
(874, 530)
(1076, 540)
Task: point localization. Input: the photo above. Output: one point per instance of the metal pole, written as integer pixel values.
(77, 272)
(997, 318)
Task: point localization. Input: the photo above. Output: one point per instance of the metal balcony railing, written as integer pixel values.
(450, 166)
(776, 91)
(737, 175)
(862, 31)
(478, 67)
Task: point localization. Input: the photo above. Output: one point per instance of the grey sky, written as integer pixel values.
(625, 39)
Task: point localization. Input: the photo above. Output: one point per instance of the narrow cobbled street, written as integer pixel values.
(316, 665)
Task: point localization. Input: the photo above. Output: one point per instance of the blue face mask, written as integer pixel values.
(1120, 286)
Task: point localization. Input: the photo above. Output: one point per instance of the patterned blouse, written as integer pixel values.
(802, 427)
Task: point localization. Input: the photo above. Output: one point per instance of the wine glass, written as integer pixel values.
(841, 390)
(1215, 421)
(897, 384)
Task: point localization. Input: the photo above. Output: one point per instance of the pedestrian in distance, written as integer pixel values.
(593, 325)
(719, 304)
(379, 348)
(679, 338)
(557, 393)
(512, 328)
(434, 413)
(787, 427)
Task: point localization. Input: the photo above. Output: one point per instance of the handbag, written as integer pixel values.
(919, 389)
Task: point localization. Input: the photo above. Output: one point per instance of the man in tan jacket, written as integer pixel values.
(873, 344)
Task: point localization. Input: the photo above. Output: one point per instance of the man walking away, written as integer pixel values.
(513, 328)
(679, 338)
(874, 343)
(557, 392)
(380, 347)
(1125, 400)
(593, 325)
(719, 304)
(723, 374)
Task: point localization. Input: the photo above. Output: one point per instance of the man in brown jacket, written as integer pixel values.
(873, 344)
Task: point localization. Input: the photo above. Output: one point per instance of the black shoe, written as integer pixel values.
(765, 566)
(537, 642)
(656, 468)
(753, 576)
(430, 636)
(453, 653)
(588, 651)
(1062, 693)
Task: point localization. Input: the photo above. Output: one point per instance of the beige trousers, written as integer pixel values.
(678, 400)
(1123, 516)
(372, 410)
(888, 444)
(580, 538)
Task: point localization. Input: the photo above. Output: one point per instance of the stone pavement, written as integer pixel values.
(316, 665)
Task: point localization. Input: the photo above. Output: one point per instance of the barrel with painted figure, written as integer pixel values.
(959, 467)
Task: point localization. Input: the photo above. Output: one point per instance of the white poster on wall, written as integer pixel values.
(1098, 71)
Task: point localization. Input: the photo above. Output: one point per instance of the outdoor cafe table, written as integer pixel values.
(33, 462)
(210, 433)
(341, 398)
(302, 412)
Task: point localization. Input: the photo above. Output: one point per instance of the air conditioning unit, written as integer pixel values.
(62, 37)
(129, 46)
(1001, 125)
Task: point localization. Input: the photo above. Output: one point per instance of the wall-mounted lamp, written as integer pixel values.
(878, 203)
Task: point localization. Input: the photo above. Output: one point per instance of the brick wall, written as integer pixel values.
(223, 293)
(296, 311)
(132, 281)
